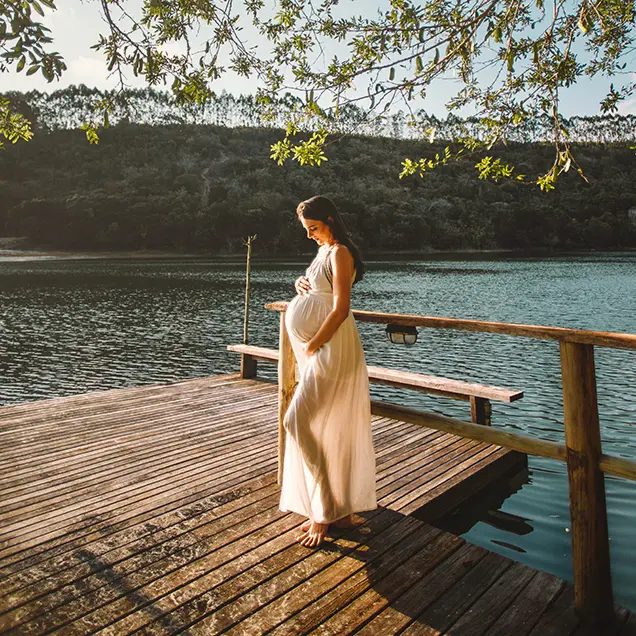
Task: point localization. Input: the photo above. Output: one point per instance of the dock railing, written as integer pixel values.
(582, 451)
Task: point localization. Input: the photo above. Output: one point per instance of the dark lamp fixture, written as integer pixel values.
(401, 334)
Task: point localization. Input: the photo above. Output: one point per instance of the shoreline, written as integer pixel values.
(44, 254)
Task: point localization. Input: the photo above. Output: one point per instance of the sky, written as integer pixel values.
(76, 25)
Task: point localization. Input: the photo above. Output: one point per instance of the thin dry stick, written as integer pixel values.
(247, 286)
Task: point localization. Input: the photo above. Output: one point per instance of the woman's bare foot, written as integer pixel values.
(350, 521)
(314, 536)
(306, 525)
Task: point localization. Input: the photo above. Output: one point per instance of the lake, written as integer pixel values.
(72, 326)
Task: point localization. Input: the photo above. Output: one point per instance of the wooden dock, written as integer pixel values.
(154, 509)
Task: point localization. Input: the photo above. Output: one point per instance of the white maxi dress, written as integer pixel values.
(329, 462)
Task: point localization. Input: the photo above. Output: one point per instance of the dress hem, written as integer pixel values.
(351, 512)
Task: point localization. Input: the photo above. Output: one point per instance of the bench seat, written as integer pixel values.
(479, 395)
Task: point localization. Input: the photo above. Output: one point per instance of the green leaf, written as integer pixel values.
(418, 64)
(33, 69)
(37, 7)
(21, 64)
(392, 74)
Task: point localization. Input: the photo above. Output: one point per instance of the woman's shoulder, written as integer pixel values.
(341, 253)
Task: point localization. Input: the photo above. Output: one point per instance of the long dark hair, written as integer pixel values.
(321, 208)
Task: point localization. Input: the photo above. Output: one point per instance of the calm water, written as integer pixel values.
(75, 326)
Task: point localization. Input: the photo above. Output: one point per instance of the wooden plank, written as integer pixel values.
(127, 586)
(459, 485)
(106, 481)
(431, 591)
(490, 605)
(167, 420)
(234, 451)
(121, 448)
(216, 599)
(106, 395)
(82, 424)
(172, 429)
(560, 619)
(395, 446)
(253, 610)
(249, 367)
(136, 478)
(259, 353)
(446, 387)
(364, 594)
(61, 570)
(55, 541)
(156, 465)
(142, 557)
(582, 336)
(403, 491)
(513, 441)
(205, 591)
(70, 509)
(442, 386)
(588, 512)
(417, 497)
(221, 443)
(28, 414)
(417, 459)
(533, 600)
(82, 477)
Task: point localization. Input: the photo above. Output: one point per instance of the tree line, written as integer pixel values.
(71, 107)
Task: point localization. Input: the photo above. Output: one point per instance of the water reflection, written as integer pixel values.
(75, 326)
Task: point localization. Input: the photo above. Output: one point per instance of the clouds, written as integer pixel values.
(87, 70)
(628, 107)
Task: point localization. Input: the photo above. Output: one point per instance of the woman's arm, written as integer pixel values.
(342, 266)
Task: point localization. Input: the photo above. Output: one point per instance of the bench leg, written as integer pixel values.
(248, 366)
(480, 410)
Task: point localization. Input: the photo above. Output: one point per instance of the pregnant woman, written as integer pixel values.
(329, 464)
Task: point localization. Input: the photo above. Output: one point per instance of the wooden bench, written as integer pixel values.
(479, 395)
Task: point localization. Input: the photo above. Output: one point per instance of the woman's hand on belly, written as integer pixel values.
(302, 285)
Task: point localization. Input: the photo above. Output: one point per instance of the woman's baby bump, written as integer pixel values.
(305, 315)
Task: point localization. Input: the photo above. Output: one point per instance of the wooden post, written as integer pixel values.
(480, 410)
(248, 366)
(590, 545)
(248, 363)
(286, 384)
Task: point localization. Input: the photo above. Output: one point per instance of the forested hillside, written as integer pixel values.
(203, 188)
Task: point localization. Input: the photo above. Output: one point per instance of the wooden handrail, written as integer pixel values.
(618, 466)
(561, 334)
(512, 441)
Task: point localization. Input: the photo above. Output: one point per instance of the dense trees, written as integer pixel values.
(203, 188)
